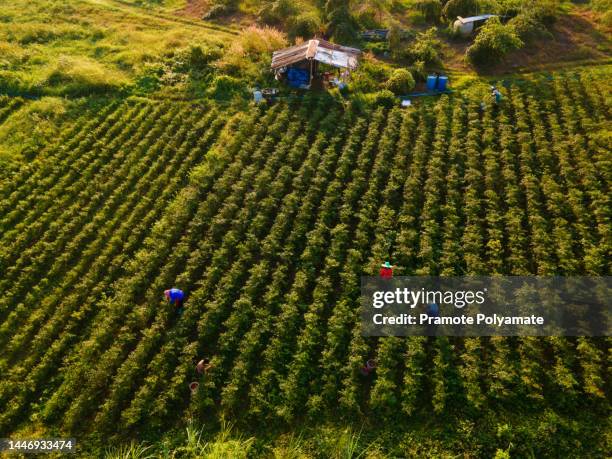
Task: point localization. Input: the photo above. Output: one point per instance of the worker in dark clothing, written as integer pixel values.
(175, 296)
(386, 270)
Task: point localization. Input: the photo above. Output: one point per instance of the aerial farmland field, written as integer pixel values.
(135, 160)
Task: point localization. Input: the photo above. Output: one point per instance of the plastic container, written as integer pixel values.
(432, 81)
(442, 83)
(193, 387)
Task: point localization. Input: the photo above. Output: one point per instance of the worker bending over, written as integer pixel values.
(386, 270)
(175, 296)
(497, 96)
(203, 366)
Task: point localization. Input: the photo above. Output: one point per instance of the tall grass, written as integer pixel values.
(131, 451)
(82, 76)
(223, 446)
(49, 47)
(252, 49)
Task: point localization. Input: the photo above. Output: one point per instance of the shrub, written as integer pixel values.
(419, 71)
(340, 23)
(454, 8)
(400, 82)
(385, 98)
(367, 18)
(545, 11)
(304, 25)
(225, 87)
(528, 27)
(192, 59)
(200, 58)
(492, 43)
(425, 47)
(376, 47)
(431, 9)
(369, 76)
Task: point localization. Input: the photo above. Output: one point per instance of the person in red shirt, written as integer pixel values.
(386, 270)
(368, 368)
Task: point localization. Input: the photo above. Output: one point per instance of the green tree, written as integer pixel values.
(492, 43)
(425, 47)
(430, 9)
(340, 23)
(454, 8)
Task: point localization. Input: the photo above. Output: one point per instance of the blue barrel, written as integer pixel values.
(431, 82)
(442, 82)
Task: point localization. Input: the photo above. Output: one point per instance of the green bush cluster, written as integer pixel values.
(529, 27)
(400, 82)
(305, 25)
(340, 22)
(465, 8)
(492, 43)
(430, 9)
(297, 21)
(425, 47)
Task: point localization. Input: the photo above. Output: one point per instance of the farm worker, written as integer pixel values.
(386, 270)
(368, 367)
(175, 296)
(203, 366)
(496, 94)
(433, 310)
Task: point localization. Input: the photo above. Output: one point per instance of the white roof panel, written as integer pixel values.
(482, 17)
(335, 58)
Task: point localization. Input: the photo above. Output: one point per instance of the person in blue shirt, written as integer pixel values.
(175, 296)
(497, 96)
(433, 310)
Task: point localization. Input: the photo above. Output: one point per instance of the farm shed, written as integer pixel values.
(300, 64)
(465, 26)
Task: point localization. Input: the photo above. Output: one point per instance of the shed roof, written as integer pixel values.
(482, 17)
(319, 50)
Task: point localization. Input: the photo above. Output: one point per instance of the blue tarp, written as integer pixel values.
(297, 78)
